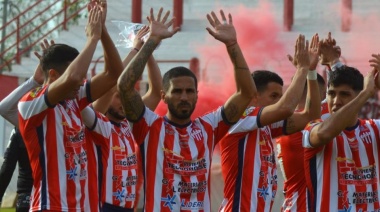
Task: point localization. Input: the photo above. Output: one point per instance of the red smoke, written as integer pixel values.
(257, 33)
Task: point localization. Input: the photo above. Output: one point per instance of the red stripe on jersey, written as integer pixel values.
(172, 163)
(350, 170)
(150, 165)
(55, 142)
(248, 164)
(291, 159)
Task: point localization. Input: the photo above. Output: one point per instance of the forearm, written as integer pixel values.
(244, 83)
(153, 95)
(129, 57)
(130, 98)
(341, 119)
(77, 70)
(313, 100)
(293, 94)
(8, 106)
(135, 68)
(111, 55)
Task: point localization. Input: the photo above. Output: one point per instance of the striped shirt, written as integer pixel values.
(177, 160)
(119, 162)
(55, 141)
(249, 164)
(343, 174)
(291, 160)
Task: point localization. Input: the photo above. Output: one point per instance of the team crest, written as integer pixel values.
(248, 111)
(35, 92)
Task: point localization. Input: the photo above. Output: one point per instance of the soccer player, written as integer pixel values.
(118, 168)
(291, 160)
(50, 120)
(176, 150)
(247, 151)
(341, 153)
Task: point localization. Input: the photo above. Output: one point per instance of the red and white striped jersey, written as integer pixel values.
(120, 162)
(97, 140)
(249, 164)
(291, 160)
(55, 140)
(343, 174)
(177, 160)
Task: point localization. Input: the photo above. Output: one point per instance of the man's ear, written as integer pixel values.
(163, 94)
(53, 75)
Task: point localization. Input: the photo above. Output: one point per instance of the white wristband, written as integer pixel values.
(312, 75)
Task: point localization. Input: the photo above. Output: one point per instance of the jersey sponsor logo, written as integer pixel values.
(74, 162)
(191, 187)
(74, 136)
(72, 173)
(359, 176)
(191, 205)
(169, 184)
(128, 181)
(169, 201)
(119, 195)
(184, 140)
(365, 197)
(123, 161)
(263, 192)
(353, 143)
(345, 209)
(176, 164)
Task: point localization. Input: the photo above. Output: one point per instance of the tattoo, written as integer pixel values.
(130, 98)
(231, 112)
(133, 105)
(234, 54)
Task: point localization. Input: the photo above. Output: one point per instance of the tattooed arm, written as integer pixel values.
(312, 104)
(130, 98)
(285, 107)
(246, 89)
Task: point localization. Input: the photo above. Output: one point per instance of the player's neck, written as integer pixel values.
(177, 121)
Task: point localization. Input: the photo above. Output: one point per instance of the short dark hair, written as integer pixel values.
(263, 77)
(321, 81)
(58, 57)
(179, 71)
(346, 75)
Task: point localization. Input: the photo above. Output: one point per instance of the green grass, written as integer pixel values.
(7, 210)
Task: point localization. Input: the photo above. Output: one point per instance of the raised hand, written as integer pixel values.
(369, 82)
(103, 6)
(159, 29)
(314, 52)
(38, 75)
(375, 64)
(138, 40)
(94, 25)
(328, 50)
(223, 31)
(301, 55)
